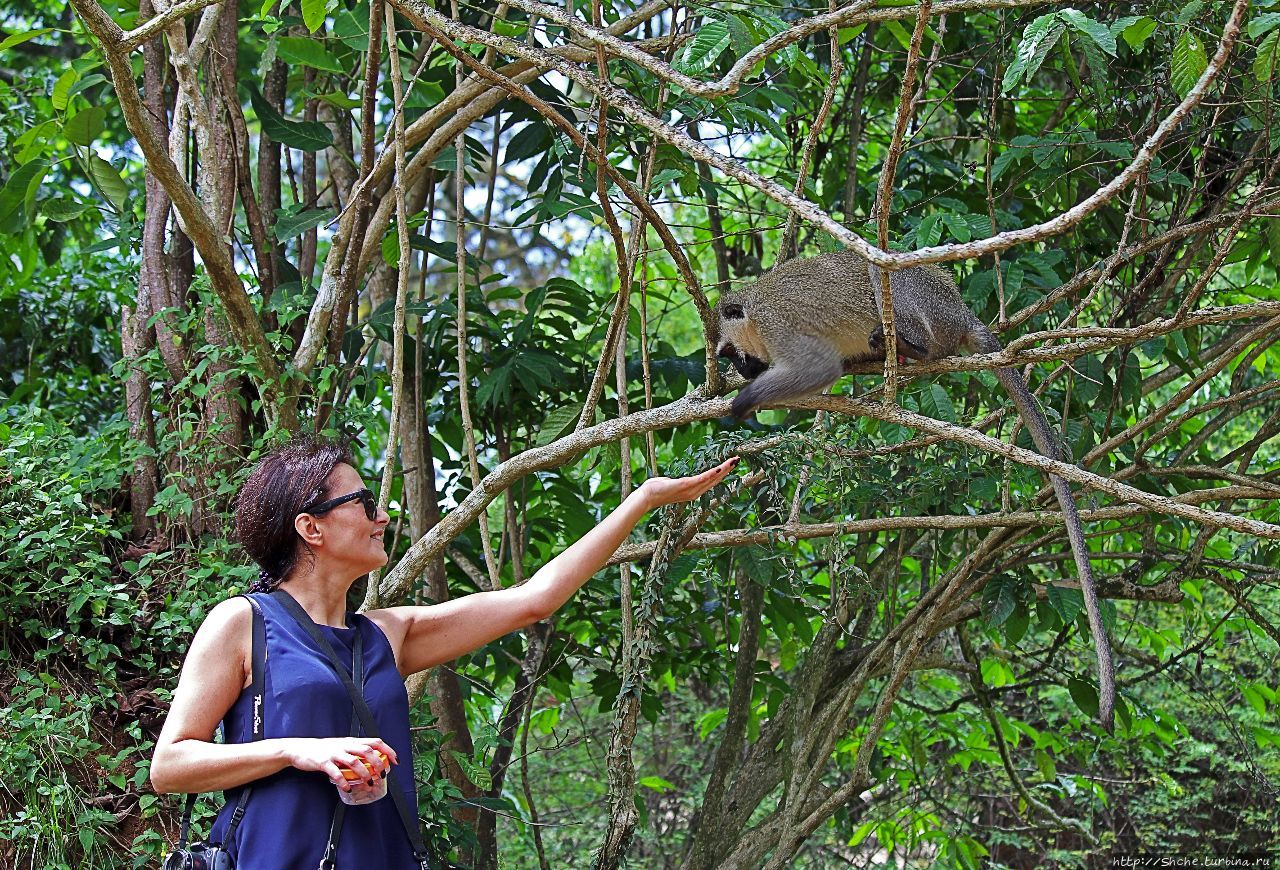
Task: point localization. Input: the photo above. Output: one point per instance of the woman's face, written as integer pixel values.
(349, 537)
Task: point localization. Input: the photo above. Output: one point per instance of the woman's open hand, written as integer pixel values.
(658, 491)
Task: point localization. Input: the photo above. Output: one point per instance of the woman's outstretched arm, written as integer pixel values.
(426, 636)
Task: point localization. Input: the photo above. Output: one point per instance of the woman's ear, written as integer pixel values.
(308, 529)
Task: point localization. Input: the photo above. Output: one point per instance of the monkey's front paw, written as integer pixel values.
(743, 405)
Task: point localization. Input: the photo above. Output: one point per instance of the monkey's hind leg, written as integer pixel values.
(808, 365)
(907, 348)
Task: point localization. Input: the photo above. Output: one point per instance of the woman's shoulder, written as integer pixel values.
(227, 619)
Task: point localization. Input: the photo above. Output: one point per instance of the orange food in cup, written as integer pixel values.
(348, 773)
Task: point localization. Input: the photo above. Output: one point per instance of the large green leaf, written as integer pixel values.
(107, 179)
(708, 44)
(1097, 32)
(1067, 603)
(1188, 63)
(313, 13)
(62, 89)
(303, 135)
(1037, 41)
(19, 192)
(18, 38)
(1085, 694)
(1264, 66)
(999, 598)
(290, 225)
(85, 126)
(1137, 32)
(934, 402)
(307, 52)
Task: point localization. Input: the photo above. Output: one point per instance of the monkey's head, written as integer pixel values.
(740, 341)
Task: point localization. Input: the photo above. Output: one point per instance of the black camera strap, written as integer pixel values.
(257, 685)
(330, 859)
(407, 817)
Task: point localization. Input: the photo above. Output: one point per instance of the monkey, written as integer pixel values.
(792, 331)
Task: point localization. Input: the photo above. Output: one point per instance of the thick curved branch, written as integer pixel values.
(143, 33)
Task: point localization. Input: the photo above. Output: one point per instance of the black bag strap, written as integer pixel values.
(330, 859)
(407, 818)
(257, 685)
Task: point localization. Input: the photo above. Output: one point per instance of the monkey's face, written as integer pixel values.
(740, 341)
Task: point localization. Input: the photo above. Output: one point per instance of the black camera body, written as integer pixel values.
(200, 856)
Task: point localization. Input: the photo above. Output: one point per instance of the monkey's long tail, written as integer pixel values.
(1045, 442)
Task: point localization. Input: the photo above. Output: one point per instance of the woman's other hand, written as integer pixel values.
(330, 755)
(659, 491)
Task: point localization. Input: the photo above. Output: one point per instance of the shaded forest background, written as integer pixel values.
(484, 241)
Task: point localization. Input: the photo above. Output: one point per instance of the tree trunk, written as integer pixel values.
(441, 682)
(143, 483)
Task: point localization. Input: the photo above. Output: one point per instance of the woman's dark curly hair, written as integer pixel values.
(284, 482)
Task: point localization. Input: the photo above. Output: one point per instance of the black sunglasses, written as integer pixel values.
(364, 495)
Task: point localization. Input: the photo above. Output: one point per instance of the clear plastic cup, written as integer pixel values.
(363, 795)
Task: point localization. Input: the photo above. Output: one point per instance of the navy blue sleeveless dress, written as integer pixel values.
(286, 822)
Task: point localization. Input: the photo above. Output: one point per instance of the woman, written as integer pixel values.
(306, 519)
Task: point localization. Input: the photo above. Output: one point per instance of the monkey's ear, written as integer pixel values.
(732, 311)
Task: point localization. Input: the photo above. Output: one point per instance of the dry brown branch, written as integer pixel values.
(788, 245)
(884, 199)
(402, 293)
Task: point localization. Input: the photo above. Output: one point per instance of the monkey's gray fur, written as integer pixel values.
(792, 331)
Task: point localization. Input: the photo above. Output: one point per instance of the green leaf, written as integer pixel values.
(656, 783)
(18, 38)
(1188, 63)
(339, 99)
(1004, 160)
(62, 210)
(1255, 699)
(86, 82)
(1085, 695)
(555, 423)
(108, 181)
(958, 227)
(1015, 627)
(1097, 64)
(1096, 31)
(62, 89)
(1264, 65)
(20, 190)
(929, 231)
(303, 135)
(899, 33)
(1067, 603)
(934, 402)
(290, 225)
(532, 140)
(85, 126)
(1264, 23)
(313, 13)
(710, 721)
(1188, 11)
(756, 564)
(477, 773)
(1037, 40)
(999, 598)
(307, 52)
(708, 44)
(1137, 33)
